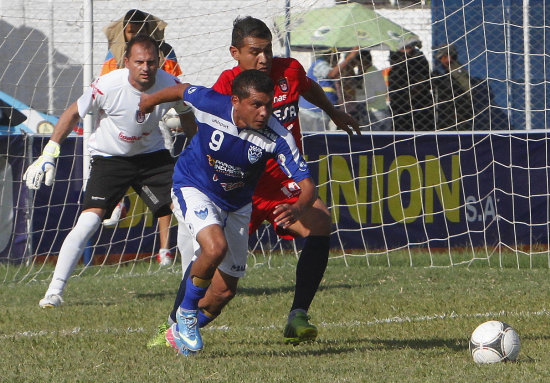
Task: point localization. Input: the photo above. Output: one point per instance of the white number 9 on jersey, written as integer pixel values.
(216, 140)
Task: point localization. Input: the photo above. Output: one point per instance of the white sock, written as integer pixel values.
(71, 251)
(185, 246)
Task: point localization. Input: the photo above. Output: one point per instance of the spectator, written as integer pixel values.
(370, 94)
(409, 86)
(462, 101)
(118, 34)
(325, 71)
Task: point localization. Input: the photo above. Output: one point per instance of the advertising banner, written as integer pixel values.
(440, 190)
(384, 191)
(13, 199)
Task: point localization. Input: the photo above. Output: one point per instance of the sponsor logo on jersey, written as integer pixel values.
(283, 84)
(220, 123)
(254, 153)
(201, 212)
(191, 90)
(279, 98)
(228, 186)
(124, 138)
(286, 113)
(303, 166)
(225, 168)
(140, 116)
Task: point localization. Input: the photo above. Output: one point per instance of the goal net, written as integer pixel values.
(451, 167)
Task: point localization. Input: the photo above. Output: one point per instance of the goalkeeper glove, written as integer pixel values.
(43, 166)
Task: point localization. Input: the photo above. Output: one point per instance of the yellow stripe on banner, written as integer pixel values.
(327, 89)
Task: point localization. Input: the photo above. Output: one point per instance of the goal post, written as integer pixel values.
(451, 95)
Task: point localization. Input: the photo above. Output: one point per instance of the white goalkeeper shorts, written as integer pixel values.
(195, 210)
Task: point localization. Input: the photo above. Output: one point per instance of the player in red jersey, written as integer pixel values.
(252, 48)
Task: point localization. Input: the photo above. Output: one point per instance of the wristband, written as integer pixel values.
(52, 148)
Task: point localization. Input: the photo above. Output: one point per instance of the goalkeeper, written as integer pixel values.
(127, 149)
(118, 34)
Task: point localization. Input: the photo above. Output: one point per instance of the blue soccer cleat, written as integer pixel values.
(188, 329)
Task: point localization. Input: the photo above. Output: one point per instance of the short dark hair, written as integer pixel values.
(141, 38)
(134, 16)
(251, 79)
(248, 27)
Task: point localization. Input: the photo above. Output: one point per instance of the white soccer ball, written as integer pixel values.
(494, 341)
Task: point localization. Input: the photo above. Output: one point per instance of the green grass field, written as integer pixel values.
(376, 324)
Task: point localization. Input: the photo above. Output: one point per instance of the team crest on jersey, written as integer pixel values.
(140, 116)
(303, 166)
(283, 84)
(201, 212)
(254, 153)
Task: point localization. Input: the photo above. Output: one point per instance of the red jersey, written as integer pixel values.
(274, 187)
(290, 81)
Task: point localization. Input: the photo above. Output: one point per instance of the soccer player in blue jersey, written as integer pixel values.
(213, 183)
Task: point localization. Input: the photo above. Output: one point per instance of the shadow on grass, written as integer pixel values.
(256, 291)
(339, 347)
(324, 347)
(159, 294)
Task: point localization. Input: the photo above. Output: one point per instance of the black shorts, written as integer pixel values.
(149, 174)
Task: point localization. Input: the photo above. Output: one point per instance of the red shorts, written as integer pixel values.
(270, 192)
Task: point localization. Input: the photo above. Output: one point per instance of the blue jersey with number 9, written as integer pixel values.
(224, 161)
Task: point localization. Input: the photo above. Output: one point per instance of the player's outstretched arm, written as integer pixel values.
(172, 93)
(343, 121)
(287, 214)
(44, 166)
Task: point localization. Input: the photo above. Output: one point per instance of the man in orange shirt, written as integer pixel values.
(121, 31)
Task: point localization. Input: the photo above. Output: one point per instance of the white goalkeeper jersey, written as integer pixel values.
(119, 128)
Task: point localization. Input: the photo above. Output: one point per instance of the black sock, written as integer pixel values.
(310, 270)
(181, 293)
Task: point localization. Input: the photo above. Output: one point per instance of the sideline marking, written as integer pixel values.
(418, 318)
(396, 319)
(74, 331)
